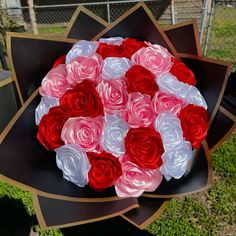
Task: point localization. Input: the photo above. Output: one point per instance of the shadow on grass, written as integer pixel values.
(14, 219)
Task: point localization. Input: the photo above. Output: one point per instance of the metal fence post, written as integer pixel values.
(32, 17)
(204, 17)
(108, 13)
(209, 28)
(172, 7)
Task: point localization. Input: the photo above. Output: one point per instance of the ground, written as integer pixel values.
(222, 44)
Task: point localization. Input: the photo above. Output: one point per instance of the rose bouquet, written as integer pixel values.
(127, 126)
(123, 113)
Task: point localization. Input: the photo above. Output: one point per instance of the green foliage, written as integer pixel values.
(222, 44)
(16, 193)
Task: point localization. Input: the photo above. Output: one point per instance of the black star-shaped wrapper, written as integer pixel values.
(24, 162)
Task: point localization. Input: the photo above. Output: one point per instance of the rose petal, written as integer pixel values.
(112, 40)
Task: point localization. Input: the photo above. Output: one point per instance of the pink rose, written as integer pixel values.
(84, 67)
(85, 131)
(139, 111)
(54, 83)
(113, 94)
(154, 58)
(165, 102)
(135, 180)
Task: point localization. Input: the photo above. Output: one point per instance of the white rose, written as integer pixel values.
(115, 68)
(73, 162)
(81, 48)
(114, 131)
(44, 106)
(175, 161)
(169, 127)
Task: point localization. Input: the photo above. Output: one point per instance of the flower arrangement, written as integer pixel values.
(120, 112)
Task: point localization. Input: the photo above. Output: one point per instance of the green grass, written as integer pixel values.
(222, 44)
(208, 213)
(51, 30)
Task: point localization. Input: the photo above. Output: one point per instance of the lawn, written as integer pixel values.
(55, 30)
(222, 44)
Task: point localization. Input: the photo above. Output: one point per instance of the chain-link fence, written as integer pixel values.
(216, 19)
(220, 41)
(53, 19)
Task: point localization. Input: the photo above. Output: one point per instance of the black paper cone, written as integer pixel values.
(61, 213)
(84, 24)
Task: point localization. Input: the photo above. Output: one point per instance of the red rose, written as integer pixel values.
(106, 50)
(131, 45)
(60, 60)
(182, 72)
(105, 170)
(144, 147)
(82, 100)
(50, 127)
(194, 124)
(141, 80)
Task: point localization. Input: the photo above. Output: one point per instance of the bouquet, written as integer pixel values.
(122, 113)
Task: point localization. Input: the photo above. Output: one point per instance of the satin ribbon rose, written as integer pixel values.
(106, 49)
(50, 127)
(113, 95)
(164, 102)
(182, 72)
(82, 100)
(54, 84)
(169, 84)
(175, 160)
(139, 112)
(144, 147)
(131, 45)
(84, 67)
(85, 131)
(105, 170)
(194, 122)
(73, 162)
(113, 134)
(44, 106)
(139, 79)
(155, 58)
(135, 180)
(169, 127)
(115, 68)
(81, 48)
